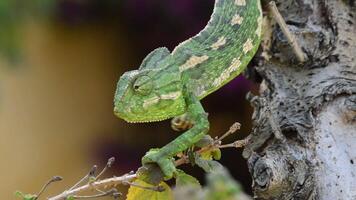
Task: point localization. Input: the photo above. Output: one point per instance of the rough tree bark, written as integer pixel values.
(303, 143)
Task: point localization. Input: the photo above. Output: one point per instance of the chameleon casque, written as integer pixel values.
(169, 84)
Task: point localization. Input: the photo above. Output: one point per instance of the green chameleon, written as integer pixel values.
(170, 84)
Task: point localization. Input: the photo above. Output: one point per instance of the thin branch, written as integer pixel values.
(108, 165)
(106, 183)
(234, 127)
(236, 144)
(90, 174)
(53, 179)
(110, 192)
(290, 37)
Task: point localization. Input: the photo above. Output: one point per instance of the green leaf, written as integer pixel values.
(211, 154)
(70, 198)
(25, 196)
(92, 179)
(137, 193)
(19, 194)
(208, 165)
(221, 186)
(183, 179)
(205, 141)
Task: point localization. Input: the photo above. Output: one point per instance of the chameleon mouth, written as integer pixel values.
(139, 121)
(136, 119)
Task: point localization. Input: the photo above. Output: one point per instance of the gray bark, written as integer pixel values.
(303, 142)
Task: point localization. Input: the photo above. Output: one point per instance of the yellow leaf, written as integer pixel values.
(206, 155)
(213, 153)
(137, 193)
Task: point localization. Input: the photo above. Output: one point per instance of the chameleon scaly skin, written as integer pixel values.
(170, 84)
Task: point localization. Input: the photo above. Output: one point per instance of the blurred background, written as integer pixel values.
(59, 64)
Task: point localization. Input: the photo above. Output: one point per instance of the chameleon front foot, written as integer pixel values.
(166, 164)
(181, 123)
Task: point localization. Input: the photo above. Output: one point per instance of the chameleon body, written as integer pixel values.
(169, 84)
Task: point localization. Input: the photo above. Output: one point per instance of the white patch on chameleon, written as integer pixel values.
(248, 45)
(150, 101)
(200, 91)
(236, 19)
(171, 96)
(153, 100)
(219, 43)
(240, 2)
(192, 62)
(235, 64)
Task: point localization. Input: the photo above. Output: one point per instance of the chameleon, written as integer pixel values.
(170, 84)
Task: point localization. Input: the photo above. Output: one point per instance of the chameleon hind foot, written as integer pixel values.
(166, 164)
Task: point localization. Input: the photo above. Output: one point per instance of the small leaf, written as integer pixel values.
(70, 198)
(208, 165)
(216, 154)
(25, 196)
(91, 179)
(19, 194)
(206, 155)
(213, 153)
(205, 141)
(221, 186)
(137, 193)
(183, 179)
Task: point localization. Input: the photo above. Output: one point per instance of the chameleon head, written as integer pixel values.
(146, 96)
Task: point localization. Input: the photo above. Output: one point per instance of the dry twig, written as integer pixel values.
(290, 37)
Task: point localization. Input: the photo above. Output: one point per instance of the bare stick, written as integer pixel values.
(113, 192)
(91, 172)
(236, 144)
(290, 37)
(53, 179)
(106, 183)
(234, 127)
(108, 165)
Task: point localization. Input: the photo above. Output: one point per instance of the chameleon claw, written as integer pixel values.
(165, 164)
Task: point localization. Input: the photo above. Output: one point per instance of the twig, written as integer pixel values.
(112, 191)
(183, 160)
(108, 165)
(290, 37)
(91, 173)
(106, 183)
(236, 144)
(234, 127)
(53, 179)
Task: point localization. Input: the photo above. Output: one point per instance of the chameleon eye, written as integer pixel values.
(143, 85)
